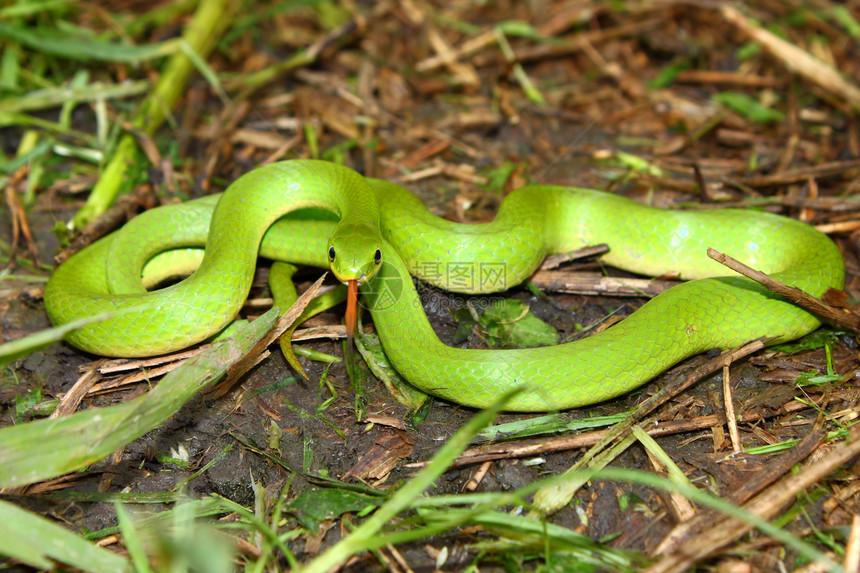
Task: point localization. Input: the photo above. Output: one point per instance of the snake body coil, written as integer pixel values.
(712, 311)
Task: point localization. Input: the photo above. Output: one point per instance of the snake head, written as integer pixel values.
(354, 255)
(355, 252)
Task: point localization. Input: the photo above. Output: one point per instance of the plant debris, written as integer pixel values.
(678, 105)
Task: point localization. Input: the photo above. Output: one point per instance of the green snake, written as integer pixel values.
(383, 234)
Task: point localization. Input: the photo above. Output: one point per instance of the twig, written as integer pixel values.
(650, 404)
(20, 224)
(839, 227)
(765, 505)
(280, 326)
(803, 174)
(72, 399)
(795, 59)
(794, 294)
(545, 445)
(731, 419)
(684, 532)
(553, 261)
(595, 284)
(200, 34)
(851, 563)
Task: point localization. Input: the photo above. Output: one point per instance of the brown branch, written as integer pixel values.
(729, 405)
(554, 261)
(72, 399)
(766, 505)
(122, 211)
(794, 294)
(672, 389)
(20, 224)
(754, 484)
(802, 174)
(541, 446)
(592, 283)
(259, 351)
(795, 59)
(595, 284)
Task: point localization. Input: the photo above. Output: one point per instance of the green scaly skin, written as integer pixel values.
(532, 222)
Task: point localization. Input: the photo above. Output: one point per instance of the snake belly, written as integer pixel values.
(710, 311)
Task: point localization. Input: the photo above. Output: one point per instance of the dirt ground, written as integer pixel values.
(397, 93)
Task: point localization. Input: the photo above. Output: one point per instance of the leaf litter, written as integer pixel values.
(462, 103)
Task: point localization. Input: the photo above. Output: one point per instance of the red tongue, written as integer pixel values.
(351, 310)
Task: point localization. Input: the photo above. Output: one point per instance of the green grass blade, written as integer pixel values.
(53, 97)
(703, 498)
(34, 540)
(40, 8)
(360, 538)
(83, 48)
(21, 347)
(211, 17)
(48, 448)
(132, 540)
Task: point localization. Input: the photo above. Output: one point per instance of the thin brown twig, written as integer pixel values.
(596, 284)
(795, 59)
(794, 294)
(586, 439)
(650, 404)
(280, 326)
(731, 419)
(553, 261)
(851, 562)
(20, 224)
(72, 399)
(683, 532)
(521, 449)
(802, 174)
(765, 505)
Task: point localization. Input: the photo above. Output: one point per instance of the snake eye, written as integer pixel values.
(377, 256)
(331, 254)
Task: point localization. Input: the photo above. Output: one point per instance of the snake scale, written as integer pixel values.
(384, 233)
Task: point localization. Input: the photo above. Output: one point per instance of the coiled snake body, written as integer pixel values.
(712, 311)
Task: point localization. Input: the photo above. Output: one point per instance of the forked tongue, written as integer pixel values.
(351, 311)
